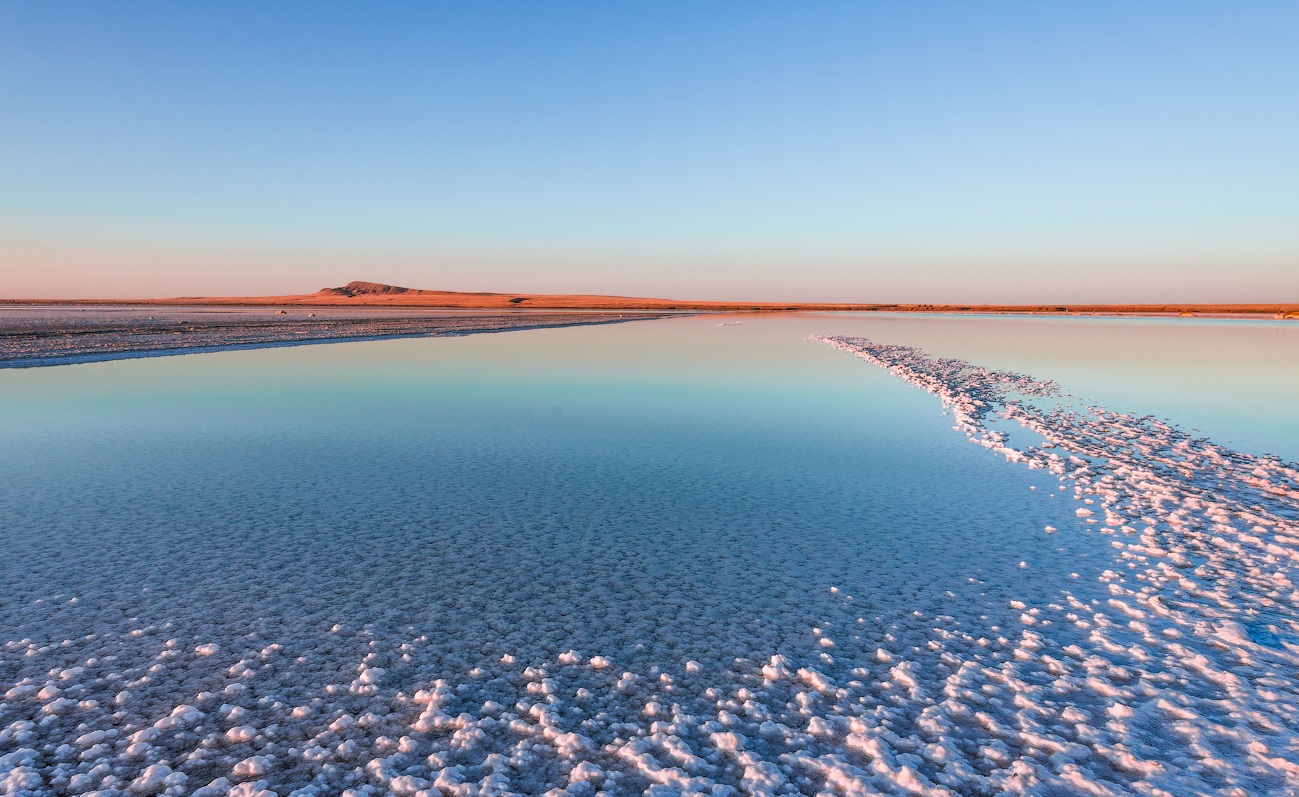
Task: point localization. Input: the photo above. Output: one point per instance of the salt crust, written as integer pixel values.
(1186, 684)
(1179, 682)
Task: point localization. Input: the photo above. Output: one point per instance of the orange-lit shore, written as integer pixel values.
(366, 294)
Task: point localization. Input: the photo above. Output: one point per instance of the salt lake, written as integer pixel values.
(694, 555)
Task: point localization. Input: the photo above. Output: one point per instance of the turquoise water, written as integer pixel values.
(727, 476)
(681, 498)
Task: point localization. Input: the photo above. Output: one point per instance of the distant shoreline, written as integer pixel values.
(377, 294)
(1289, 311)
(373, 295)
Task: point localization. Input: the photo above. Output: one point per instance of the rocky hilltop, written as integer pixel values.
(358, 288)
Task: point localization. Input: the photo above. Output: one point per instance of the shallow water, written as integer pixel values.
(684, 499)
(669, 463)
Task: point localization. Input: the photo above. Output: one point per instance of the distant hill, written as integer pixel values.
(362, 293)
(358, 288)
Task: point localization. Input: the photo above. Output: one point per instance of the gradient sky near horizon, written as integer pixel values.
(801, 151)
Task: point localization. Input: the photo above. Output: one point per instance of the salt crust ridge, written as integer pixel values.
(1179, 683)
(1191, 663)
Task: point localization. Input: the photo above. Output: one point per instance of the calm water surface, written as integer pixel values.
(667, 476)
(725, 474)
(693, 489)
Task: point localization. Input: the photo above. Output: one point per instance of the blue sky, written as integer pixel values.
(823, 151)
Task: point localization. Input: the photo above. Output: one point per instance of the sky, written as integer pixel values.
(828, 151)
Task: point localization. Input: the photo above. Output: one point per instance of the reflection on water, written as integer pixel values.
(698, 489)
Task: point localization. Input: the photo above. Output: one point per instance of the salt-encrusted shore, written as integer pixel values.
(1187, 684)
(1171, 675)
(38, 336)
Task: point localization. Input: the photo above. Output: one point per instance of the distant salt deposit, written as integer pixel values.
(32, 336)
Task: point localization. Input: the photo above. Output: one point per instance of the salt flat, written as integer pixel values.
(671, 557)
